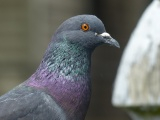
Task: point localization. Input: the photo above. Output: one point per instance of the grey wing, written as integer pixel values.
(26, 103)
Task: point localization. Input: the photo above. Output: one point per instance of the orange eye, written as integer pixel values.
(85, 27)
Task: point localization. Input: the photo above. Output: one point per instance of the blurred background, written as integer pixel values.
(26, 27)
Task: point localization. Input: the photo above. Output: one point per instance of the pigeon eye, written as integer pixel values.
(85, 27)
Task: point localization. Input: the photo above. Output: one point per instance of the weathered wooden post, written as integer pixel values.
(137, 85)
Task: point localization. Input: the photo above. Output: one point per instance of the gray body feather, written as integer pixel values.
(26, 103)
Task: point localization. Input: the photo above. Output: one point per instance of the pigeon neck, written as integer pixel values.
(67, 60)
(64, 74)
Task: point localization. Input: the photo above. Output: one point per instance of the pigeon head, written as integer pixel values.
(85, 30)
(69, 52)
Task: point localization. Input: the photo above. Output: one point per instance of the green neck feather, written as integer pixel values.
(68, 59)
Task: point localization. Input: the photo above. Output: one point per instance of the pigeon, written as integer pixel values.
(60, 89)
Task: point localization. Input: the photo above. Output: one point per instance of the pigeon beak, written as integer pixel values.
(108, 39)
